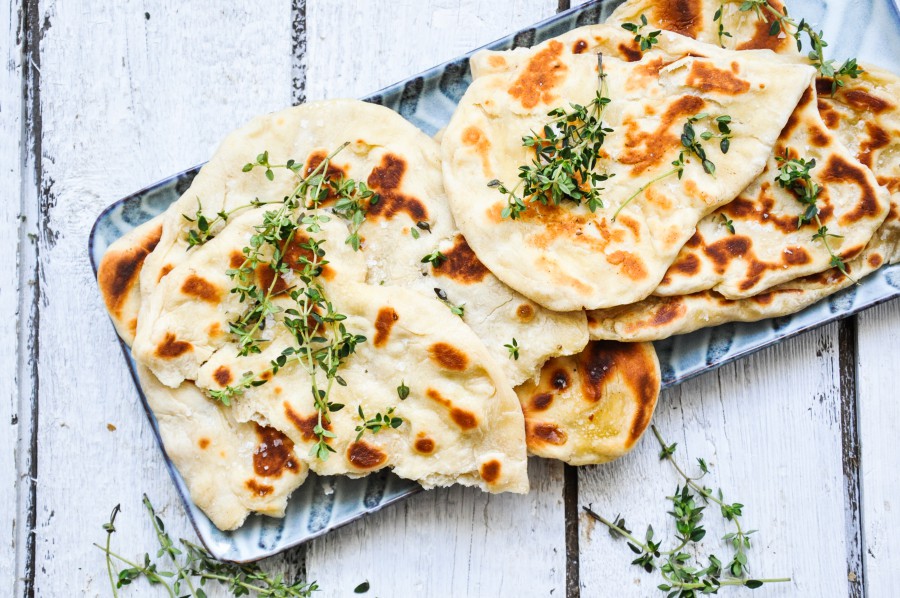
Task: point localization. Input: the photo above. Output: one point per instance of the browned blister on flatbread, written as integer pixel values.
(564, 256)
(594, 406)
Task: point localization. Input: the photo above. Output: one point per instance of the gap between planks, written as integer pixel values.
(848, 371)
(33, 210)
(298, 51)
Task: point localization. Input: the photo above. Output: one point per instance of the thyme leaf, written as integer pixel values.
(645, 41)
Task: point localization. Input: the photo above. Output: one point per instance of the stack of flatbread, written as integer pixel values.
(485, 322)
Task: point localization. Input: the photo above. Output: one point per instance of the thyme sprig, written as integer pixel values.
(645, 41)
(377, 422)
(717, 18)
(321, 342)
(191, 568)
(683, 576)
(564, 167)
(459, 310)
(782, 22)
(248, 380)
(207, 227)
(691, 146)
(274, 236)
(727, 222)
(794, 175)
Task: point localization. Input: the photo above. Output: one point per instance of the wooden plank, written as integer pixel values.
(12, 420)
(879, 412)
(770, 427)
(453, 542)
(129, 93)
(359, 46)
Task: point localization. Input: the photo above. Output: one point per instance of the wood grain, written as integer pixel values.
(770, 427)
(879, 414)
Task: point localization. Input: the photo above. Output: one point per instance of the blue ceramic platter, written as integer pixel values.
(428, 100)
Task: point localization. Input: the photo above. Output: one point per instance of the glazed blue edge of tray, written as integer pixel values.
(323, 504)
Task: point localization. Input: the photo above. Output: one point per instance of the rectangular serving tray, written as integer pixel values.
(428, 100)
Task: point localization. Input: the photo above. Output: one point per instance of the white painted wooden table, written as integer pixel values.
(101, 98)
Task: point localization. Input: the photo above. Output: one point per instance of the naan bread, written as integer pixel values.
(593, 407)
(461, 422)
(118, 275)
(403, 165)
(696, 19)
(565, 257)
(767, 248)
(231, 468)
(865, 115)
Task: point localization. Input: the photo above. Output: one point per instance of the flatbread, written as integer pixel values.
(118, 275)
(461, 422)
(403, 165)
(593, 407)
(231, 468)
(566, 257)
(766, 247)
(696, 19)
(865, 115)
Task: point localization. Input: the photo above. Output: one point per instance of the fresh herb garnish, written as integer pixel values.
(783, 23)
(565, 158)
(690, 145)
(247, 381)
(353, 199)
(717, 18)
(513, 349)
(646, 41)
(458, 310)
(206, 227)
(361, 588)
(321, 341)
(683, 577)
(377, 422)
(191, 568)
(435, 258)
(794, 175)
(727, 223)
(402, 391)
